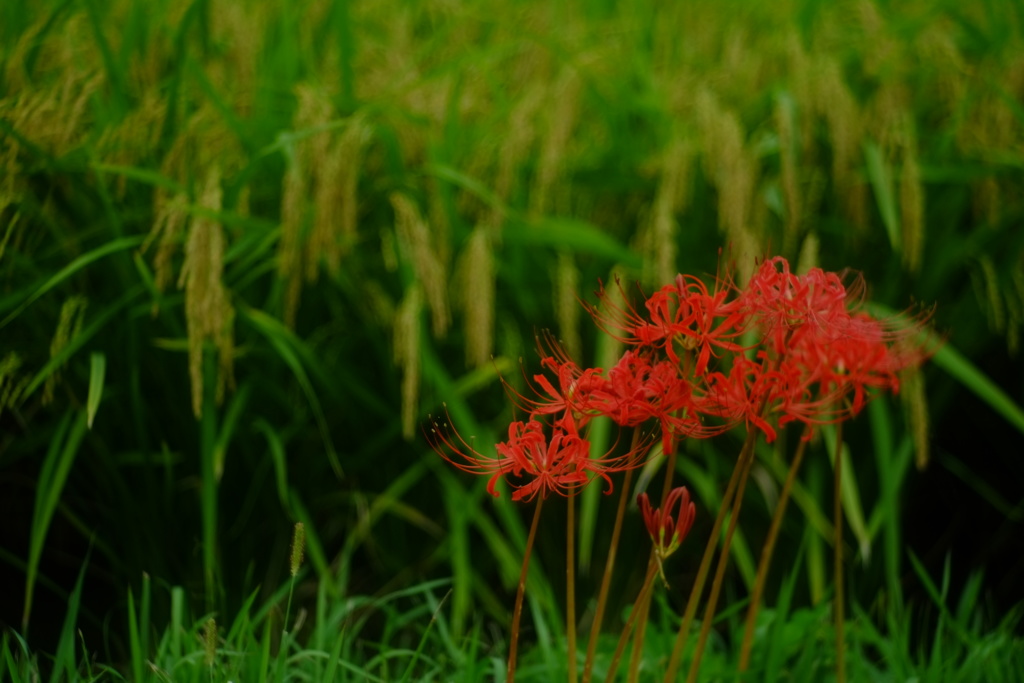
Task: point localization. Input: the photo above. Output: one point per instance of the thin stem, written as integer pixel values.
(288, 609)
(609, 568)
(570, 587)
(643, 608)
(644, 594)
(705, 563)
(768, 549)
(723, 560)
(645, 604)
(838, 558)
(670, 470)
(517, 611)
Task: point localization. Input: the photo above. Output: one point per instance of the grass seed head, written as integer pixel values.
(298, 547)
(210, 641)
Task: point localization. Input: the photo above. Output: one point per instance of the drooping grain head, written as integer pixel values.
(208, 311)
(72, 313)
(659, 239)
(475, 287)
(416, 243)
(563, 105)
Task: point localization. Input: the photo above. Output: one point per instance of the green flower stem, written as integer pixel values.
(723, 558)
(768, 549)
(705, 563)
(517, 611)
(645, 604)
(838, 558)
(609, 568)
(570, 587)
(643, 608)
(643, 596)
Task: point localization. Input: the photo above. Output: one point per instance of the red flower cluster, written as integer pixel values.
(812, 356)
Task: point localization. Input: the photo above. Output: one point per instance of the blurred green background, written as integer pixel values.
(247, 247)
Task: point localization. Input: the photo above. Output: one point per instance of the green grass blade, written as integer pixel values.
(67, 271)
(938, 597)
(143, 175)
(953, 362)
(115, 77)
(423, 639)
(97, 372)
(52, 477)
(889, 507)
(964, 371)
(777, 646)
(570, 233)
(459, 511)
(985, 490)
(852, 506)
(64, 661)
(265, 653)
(134, 641)
(277, 454)
(345, 38)
(880, 176)
(333, 658)
(283, 342)
(234, 412)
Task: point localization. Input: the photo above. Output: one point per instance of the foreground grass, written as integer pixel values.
(407, 636)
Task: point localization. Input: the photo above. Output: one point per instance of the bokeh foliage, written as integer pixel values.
(247, 247)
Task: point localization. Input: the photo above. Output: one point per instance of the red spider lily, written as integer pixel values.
(639, 390)
(532, 462)
(683, 313)
(826, 355)
(780, 301)
(746, 393)
(573, 393)
(711, 321)
(657, 329)
(575, 388)
(667, 532)
(845, 364)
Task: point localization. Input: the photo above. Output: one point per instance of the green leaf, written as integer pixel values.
(573, 234)
(54, 473)
(97, 371)
(968, 374)
(67, 271)
(880, 176)
(850, 494)
(284, 342)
